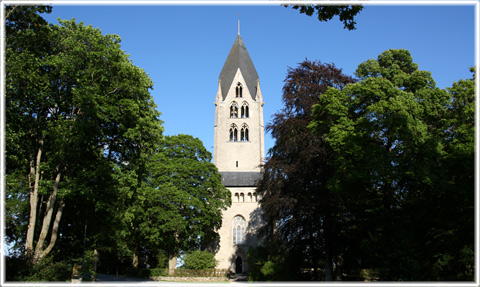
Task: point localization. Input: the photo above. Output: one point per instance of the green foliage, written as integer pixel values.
(76, 109)
(178, 204)
(88, 269)
(46, 270)
(380, 177)
(258, 259)
(265, 266)
(325, 13)
(199, 260)
(20, 268)
(139, 272)
(162, 260)
(158, 272)
(268, 269)
(274, 263)
(395, 138)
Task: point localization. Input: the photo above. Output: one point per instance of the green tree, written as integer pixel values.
(78, 115)
(179, 203)
(393, 139)
(294, 193)
(345, 13)
(26, 19)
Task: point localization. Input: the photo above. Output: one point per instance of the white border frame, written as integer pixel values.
(475, 3)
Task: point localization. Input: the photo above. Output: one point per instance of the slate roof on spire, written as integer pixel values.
(238, 58)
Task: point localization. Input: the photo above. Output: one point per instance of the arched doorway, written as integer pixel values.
(238, 265)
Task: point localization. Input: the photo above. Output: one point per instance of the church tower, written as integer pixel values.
(238, 153)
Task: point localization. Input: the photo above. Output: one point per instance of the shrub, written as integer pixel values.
(21, 269)
(47, 270)
(157, 272)
(199, 260)
(138, 272)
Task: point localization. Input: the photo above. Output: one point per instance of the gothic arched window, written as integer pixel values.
(238, 90)
(233, 133)
(234, 110)
(239, 225)
(244, 133)
(245, 113)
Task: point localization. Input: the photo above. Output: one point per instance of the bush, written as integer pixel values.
(138, 272)
(88, 269)
(47, 270)
(19, 268)
(199, 260)
(269, 264)
(16, 267)
(157, 272)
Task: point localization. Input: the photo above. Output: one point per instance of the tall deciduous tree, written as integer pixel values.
(179, 203)
(76, 110)
(295, 196)
(395, 138)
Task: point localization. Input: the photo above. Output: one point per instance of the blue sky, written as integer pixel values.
(183, 48)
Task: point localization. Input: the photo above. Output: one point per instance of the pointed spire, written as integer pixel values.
(238, 58)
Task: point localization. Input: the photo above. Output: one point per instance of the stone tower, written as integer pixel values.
(238, 152)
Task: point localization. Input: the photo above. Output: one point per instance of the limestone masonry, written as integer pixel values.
(238, 152)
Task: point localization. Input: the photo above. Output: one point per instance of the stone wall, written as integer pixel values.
(188, 279)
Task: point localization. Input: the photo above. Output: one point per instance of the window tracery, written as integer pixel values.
(244, 133)
(245, 110)
(234, 110)
(233, 133)
(239, 225)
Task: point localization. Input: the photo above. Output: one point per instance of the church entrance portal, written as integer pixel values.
(238, 265)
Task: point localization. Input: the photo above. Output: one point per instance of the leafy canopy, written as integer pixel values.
(395, 136)
(345, 13)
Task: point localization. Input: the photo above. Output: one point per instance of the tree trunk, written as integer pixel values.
(172, 262)
(35, 175)
(338, 268)
(328, 265)
(39, 250)
(95, 259)
(135, 257)
(328, 249)
(53, 237)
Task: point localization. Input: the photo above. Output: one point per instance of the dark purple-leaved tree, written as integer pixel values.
(295, 196)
